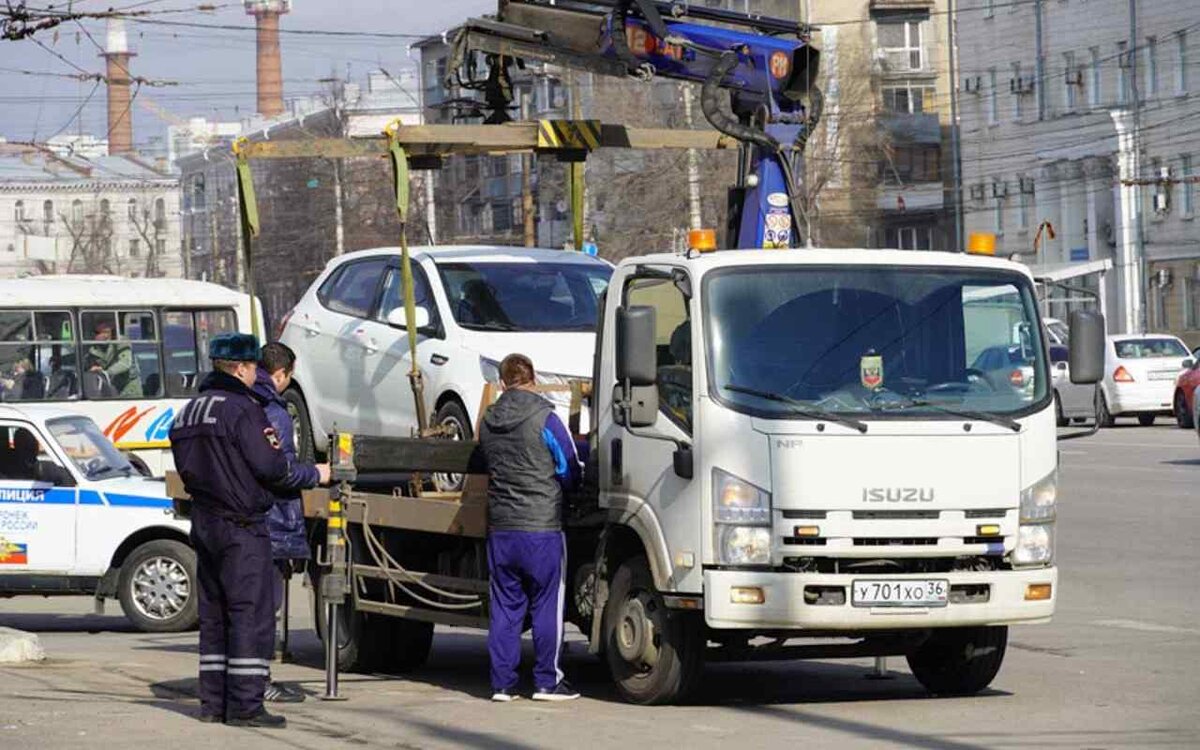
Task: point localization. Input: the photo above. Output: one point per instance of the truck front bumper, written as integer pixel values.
(784, 605)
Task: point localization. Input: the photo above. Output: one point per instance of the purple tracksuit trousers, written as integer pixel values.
(526, 569)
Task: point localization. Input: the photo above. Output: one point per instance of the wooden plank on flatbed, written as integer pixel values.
(466, 517)
(390, 454)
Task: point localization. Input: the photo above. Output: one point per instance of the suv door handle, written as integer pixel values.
(438, 359)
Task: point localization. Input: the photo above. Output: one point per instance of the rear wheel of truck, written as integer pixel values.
(370, 642)
(655, 654)
(959, 661)
(302, 433)
(157, 587)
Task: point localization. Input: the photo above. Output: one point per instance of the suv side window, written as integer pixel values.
(674, 344)
(352, 290)
(393, 294)
(24, 458)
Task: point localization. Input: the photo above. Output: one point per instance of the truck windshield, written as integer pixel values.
(87, 447)
(874, 341)
(524, 296)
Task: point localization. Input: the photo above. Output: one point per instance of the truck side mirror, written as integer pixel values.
(1188, 363)
(1086, 355)
(637, 356)
(637, 367)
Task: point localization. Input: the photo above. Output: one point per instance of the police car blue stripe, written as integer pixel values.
(90, 497)
(136, 501)
(23, 493)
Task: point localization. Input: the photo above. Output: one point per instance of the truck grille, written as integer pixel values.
(874, 515)
(896, 541)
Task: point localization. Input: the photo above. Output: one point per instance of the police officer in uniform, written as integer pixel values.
(229, 458)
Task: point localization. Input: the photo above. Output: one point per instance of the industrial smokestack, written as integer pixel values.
(120, 117)
(270, 65)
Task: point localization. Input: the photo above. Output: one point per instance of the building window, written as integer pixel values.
(1189, 187)
(1151, 67)
(913, 164)
(1122, 73)
(908, 238)
(1158, 308)
(1023, 204)
(160, 214)
(77, 211)
(1094, 91)
(131, 209)
(1017, 95)
(48, 216)
(502, 216)
(19, 212)
(1071, 81)
(901, 44)
(998, 193)
(160, 248)
(993, 115)
(134, 251)
(1181, 71)
(908, 98)
(1190, 293)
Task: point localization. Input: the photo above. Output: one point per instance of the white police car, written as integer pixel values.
(77, 518)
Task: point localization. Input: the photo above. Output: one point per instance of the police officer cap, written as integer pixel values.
(234, 347)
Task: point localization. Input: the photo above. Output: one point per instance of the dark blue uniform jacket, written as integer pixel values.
(286, 519)
(227, 452)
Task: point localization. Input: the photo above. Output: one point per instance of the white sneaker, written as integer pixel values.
(561, 692)
(505, 696)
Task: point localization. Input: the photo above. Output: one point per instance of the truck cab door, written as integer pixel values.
(638, 474)
(38, 505)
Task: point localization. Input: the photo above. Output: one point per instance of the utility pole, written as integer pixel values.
(693, 164)
(527, 163)
(955, 147)
(1139, 237)
(1130, 265)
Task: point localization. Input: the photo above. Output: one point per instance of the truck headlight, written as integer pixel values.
(742, 520)
(1035, 535)
(737, 501)
(1039, 502)
(1035, 544)
(744, 545)
(490, 370)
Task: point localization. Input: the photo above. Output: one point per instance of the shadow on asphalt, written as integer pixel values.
(1182, 462)
(459, 663)
(40, 622)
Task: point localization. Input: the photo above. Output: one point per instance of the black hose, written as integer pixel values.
(620, 43)
(710, 105)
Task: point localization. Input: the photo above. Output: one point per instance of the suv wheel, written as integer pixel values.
(302, 433)
(453, 418)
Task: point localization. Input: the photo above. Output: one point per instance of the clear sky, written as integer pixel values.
(214, 67)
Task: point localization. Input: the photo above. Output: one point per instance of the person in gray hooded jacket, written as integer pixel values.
(531, 460)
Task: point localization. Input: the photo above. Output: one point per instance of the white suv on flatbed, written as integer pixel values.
(475, 305)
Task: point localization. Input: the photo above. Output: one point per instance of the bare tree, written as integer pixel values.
(91, 243)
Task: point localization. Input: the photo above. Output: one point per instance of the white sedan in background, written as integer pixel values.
(1139, 377)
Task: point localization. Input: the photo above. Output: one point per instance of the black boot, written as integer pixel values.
(262, 720)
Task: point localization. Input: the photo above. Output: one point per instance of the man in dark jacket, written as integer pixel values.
(285, 520)
(229, 458)
(531, 460)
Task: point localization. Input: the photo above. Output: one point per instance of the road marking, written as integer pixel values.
(1103, 444)
(1145, 627)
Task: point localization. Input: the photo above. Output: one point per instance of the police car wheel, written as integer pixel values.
(157, 587)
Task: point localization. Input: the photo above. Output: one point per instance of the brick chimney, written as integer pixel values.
(270, 64)
(120, 115)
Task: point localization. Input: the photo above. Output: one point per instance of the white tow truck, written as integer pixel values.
(791, 457)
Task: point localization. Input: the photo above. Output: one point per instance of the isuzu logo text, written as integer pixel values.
(897, 494)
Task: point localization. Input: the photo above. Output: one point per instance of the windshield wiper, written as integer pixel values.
(124, 470)
(981, 416)
(491, 325)
(800, 408)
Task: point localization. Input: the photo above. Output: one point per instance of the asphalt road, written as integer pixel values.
(1116, 669)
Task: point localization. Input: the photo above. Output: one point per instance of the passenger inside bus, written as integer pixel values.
(113, 363)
